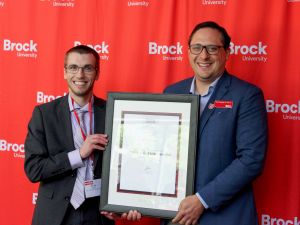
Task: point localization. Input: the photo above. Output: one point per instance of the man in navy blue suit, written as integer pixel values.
(232, 134)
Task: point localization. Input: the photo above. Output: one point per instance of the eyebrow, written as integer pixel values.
(73, 64)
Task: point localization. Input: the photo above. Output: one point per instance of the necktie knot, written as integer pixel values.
(82, 115)
(81, 111)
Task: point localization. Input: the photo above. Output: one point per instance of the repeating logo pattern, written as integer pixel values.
(101, 48)
(288, 111)
(268, 220)
(152, 34)
(17, 150)
(168, 52)
(214, 2)
(27, 49)
(41, 97)
(61, 3)
(251, 53)
(138, 3)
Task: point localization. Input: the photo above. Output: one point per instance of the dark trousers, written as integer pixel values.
(87, 214)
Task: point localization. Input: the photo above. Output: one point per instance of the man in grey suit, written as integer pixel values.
(232, 134)
(64, 145)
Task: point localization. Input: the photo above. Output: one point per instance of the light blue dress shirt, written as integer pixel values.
(203, 102)
(74, 156)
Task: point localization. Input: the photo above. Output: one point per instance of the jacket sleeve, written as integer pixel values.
(41, 163)
(249, 147)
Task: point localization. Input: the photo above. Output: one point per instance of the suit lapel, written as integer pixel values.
(65, 121)
(99, 114)
(66, 125)
(221, 89)
(186, 88)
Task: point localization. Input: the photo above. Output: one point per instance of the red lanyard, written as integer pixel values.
(78, 121)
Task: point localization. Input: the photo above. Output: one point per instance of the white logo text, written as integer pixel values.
(25, 47)
(43, 98)
(252, 53)
(267, 220)
(174, 50)
(34, 198)
(99, 48)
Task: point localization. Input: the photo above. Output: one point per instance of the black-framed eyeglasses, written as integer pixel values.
(196, 49)
(73, 68)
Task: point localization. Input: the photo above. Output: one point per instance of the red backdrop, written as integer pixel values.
(133, 39)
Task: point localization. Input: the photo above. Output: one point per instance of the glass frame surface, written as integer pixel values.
(149, 162)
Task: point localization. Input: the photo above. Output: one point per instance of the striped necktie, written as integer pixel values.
(78, 195)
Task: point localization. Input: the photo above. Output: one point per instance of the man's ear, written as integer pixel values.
(97, 75)
(227, 53)
(65, 74)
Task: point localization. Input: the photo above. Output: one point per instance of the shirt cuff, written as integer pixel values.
(75, 159)
(202, 201)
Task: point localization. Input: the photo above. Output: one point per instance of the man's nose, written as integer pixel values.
(80, 71)
(204, 53)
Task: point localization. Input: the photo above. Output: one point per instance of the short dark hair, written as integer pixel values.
(211, 24)
(84, 49)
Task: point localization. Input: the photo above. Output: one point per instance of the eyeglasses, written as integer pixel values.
(73, 68)
(196, 49)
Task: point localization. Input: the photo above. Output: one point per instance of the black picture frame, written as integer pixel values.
(172, 112)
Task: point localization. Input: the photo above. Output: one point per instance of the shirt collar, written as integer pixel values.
(78, 107)
(193, 89)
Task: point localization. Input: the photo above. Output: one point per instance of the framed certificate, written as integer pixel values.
(149, 162)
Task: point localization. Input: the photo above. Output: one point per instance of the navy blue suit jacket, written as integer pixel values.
(232, 143)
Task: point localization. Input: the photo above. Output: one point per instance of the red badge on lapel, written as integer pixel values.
(221, 104)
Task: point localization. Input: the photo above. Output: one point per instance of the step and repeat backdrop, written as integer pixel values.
(143, 48)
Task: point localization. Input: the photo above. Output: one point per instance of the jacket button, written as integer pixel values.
(67, 198)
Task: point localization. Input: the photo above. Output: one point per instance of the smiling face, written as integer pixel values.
(206, 67)
(80, 84)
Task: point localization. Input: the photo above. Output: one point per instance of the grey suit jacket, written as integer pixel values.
(47, 144)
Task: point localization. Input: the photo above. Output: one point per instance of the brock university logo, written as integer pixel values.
(23, 49)
(101, 48)
(16, 149)
(251, 53)
(288, 111)
(268, 220)
(61, 3)
(214, 2)
(168, 52)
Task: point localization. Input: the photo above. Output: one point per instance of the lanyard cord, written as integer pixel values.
(78, 120)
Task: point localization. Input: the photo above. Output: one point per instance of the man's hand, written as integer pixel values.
(132, 215)
(190, 209)
(91, 143)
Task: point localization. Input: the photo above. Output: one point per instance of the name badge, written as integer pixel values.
(92, 188)
(223, 104)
